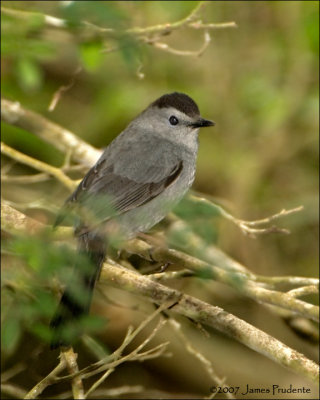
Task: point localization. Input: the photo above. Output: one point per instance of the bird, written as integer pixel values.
(141, 175)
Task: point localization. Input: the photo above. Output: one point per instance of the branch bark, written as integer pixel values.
(149, 34)
(39, 165)
(14, 114)
(186, 305)
(240, 281)
(212, 316)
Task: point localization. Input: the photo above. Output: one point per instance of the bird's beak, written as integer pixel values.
(201, 123)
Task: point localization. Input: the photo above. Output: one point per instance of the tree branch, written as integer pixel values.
(246, 283)
(47, 381)
(163, 29)
(14, 114)
(149, 34)
(71, 363)
(39, 165)
(205, 362)
(246, 226)
(15, 222)
(240, 281)
(212, 316)
(165, 47)
(196, 309)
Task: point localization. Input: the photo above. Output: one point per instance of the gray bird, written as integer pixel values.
(136, 182)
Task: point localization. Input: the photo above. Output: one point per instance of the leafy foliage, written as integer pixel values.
(28, 300)
(260, 85)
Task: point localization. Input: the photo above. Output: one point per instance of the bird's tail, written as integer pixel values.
(76, 298)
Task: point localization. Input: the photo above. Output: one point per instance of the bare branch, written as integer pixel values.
(25, 179)
(135, 353)
(13, 371)
(15, 222)
(203, 360)
(212, 316)
(163, 276)
(99, 381)
(14, 391)
(62, 89)
(25, 15)
(202, 312)
(111, 361)
(168, 49)
(163, 29)
(273, 281)
(245, 226)
(39, 165)
(150, 34)
(246, 283)
(240, 281)
(47, 381)
(62, 139)
(304, 290)
(116, 392)
(71, 362)
(220, 25)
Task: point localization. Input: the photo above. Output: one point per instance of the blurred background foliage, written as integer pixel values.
(258, 82)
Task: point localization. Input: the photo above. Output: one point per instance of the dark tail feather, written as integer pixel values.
(76, 299)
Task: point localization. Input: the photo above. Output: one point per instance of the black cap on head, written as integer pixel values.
(180, 101)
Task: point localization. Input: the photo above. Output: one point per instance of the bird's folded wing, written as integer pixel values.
(128, 179)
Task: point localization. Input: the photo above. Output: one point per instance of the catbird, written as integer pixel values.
(136, 182)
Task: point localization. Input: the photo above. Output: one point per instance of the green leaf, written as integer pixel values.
(130, 51)
(91, 55)
(29, 74)
(10, 335)
(42, 331)
(102, 13)
(189, 208)
(310, 23)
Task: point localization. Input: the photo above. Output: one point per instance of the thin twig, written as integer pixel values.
(116, 358)
(212, 316)
(196, 53)
(13, 371)
(246, 226)
(99, 381)
(134, 353)
(62, 139)
(169, 27)
(244, 282)
(238, 280)
(62, 89)
(25, 179)
(14, 391)
(199, 311)
(218, 25)
(163, 276)
(39, 165)
(203, 360)
(163, 29)
(273, 281)
(149, 34)
(72, 366)
(282, 213)
(304, 290)
(47, 381)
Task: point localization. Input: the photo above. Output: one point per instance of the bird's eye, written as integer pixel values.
(173, 120)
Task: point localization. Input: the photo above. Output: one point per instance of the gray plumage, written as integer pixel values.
(150, 164)
(140, 176)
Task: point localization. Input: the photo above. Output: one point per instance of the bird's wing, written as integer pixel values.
(127, 177)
